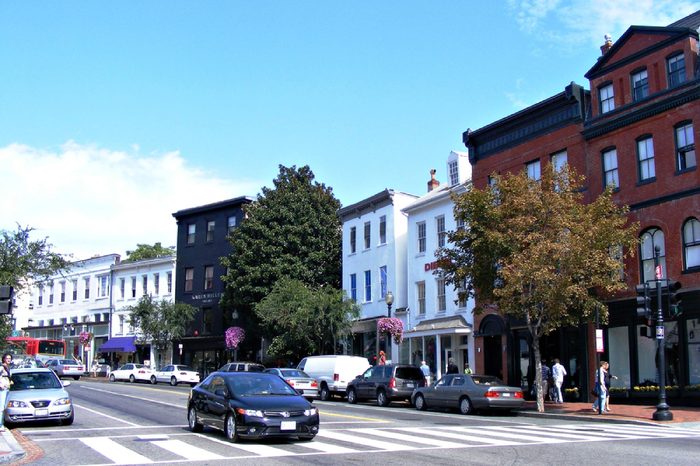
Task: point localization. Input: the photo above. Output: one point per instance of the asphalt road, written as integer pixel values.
(122, 423)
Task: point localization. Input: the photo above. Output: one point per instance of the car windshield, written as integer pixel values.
(292, 373)
(486, 380)
(34, 381)
(257, 385)
(184, 368)
(67, 362)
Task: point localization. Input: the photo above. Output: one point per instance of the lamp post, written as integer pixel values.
(389, 299)
(662, 413)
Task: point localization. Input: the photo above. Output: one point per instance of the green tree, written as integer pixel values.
(291, 230)
(146, 251)
(305, 320)
(535, 251)
(24, 261)
(160, 322)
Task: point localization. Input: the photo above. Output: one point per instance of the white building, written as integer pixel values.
(439, 324)
(374, 263)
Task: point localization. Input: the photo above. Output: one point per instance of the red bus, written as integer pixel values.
(40, 348)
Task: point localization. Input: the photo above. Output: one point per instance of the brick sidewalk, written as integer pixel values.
(617, 411)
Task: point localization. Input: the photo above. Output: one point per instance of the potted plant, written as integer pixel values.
(391, 326)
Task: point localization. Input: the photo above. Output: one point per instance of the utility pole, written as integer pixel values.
(662, 413)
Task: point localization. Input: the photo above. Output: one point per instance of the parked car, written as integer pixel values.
(386, 384)
(242, 367)
(468, 393)
(175, 374)
(299, 380)
(26, 362)
(251, 405)
(132, 372)
(37, 394)
(333, 372)
(66, 368)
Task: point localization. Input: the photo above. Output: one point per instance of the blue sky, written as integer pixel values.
(113, 115)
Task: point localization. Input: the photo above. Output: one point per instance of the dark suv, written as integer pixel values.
(386, 384)
(242, 367)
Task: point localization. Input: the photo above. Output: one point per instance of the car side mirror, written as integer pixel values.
(65, 382)
(220, 392)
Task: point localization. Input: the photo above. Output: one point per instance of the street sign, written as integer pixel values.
(659, 274)
(599, 341)
(659, 332)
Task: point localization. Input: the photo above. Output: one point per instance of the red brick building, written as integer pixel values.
(635, 130)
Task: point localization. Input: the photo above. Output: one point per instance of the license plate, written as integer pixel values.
(288, 425)
(41, 412)
(302, 385)
(409, 385)
(506, 395)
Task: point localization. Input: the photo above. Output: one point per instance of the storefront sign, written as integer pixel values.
(207, 297)
(431, 266)
(599, 341)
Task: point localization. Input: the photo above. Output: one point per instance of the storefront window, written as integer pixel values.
(693, 334)
(430, 354)
(618, 349)
(405, 352)
(646, 357)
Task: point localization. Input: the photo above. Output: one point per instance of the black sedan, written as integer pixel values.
(251, 405)
(468, 393)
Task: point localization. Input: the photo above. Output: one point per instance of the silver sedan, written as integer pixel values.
(37, 394)
(300, 380)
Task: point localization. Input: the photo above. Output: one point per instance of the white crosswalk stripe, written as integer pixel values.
(133, 449)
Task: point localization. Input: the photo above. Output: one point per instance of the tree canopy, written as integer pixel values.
(162, 321)
(535, 251)
(305, 320)
(146, 251)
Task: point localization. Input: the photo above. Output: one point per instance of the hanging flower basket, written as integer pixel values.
(85, 338)
(234, 337)
(391, 326)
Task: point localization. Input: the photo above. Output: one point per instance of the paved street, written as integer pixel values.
(136, 424)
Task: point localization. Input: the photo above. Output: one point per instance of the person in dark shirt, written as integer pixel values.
(452, 367)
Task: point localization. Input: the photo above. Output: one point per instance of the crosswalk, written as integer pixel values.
(179, 446)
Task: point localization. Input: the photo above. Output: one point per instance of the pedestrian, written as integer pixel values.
(558, 373)
(425, 368)
(600, 390)
(607, 380)
(546, 375)
(5, 382)
(452, 367)
(467, 369)
(95, 367)
(382, 358)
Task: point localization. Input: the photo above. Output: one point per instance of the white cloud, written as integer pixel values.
(89, 200)
(585, 22)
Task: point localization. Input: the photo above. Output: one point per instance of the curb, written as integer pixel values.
(588, 418)
(17, 452)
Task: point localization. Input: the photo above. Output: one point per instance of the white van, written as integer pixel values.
(333, 372)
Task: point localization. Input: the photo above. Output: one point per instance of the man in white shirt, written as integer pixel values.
(558, 373)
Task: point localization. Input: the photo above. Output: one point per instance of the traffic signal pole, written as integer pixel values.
(662, 413)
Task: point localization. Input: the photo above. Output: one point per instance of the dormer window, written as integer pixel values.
(453, 172)
(676, 70)
(640, 85)
(606, 96)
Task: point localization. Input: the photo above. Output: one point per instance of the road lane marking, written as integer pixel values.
(137, 397)
(485, 431)
(408, 438)
(463, 437)
(257, 449)
(106, 415)
(350, 416)
(115, 452)
(327, 447)
(95, 429)
(386, 446)
(186, 450)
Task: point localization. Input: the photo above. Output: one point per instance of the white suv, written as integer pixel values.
(333, 372)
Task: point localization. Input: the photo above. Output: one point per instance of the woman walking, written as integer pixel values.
(4, 386)
(600, 388)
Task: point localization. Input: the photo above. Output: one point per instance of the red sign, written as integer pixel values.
(431, 266)
(658, 272)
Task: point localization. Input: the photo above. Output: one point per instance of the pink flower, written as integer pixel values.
(85, 338)
(391, 326)
(234, 337)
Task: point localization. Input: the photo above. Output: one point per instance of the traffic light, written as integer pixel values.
(643, 302)
(674, 301)
(5, 299)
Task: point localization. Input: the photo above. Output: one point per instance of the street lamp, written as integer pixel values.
(662, 413)
(389, 299)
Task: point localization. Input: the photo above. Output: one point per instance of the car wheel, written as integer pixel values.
(132, 379)
(192, 420)
(154, 380)
(382, 399)
(173, 381)
(306, 438)
(112, 378)
(69, 420)
(465, 406)
(352, 396)
(420, 403)
(325, 393)
(230, 428)
(76, 377)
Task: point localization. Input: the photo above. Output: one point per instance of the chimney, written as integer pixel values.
(433, 183)
(607, 45)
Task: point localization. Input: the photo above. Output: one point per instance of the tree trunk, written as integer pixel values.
(538, 372)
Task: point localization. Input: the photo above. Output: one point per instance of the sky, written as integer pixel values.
(114, 115)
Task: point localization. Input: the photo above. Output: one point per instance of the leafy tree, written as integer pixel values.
(160, 322)
(305, 320)
(291, 230)
(23, 261)
(535, 251)
(146, 251)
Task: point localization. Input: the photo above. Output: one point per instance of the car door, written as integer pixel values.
(441, 392)
(363, 383)
(217, 401)
(455, 391)
(164, 374)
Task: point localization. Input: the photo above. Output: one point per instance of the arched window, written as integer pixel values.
(650, 239)
(691, 243)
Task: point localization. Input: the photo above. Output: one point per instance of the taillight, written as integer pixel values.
(314, 384)
(392, 383)
(490, 394)
(336, 377)
(290, 382)
(519, 395)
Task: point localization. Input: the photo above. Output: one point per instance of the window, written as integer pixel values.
(650, 239)
(144, 283)
(63, 292)
(231, 222)
(133, 287)
(87, 287)
(51, 293)
(440, 228)
(441, 299)
(211, 225)
(368, 286)
(645, 154)
(382, 229)
(121, 324)
(685, 147)
(612, 178)
(122, 287)
(103, 286)
(353, 286)
(676, 70)
(74, 285)
(208, 318)
(156, 283)
(170, 282)
(559, 160)
(533, 170)
(191, 229)
(353, 240)
(420, 293)
(640, 85)
(189, 279)
(209, 277)
(691, 243)
(421, 236)
(41, 295)
(462, 293)
(607, 98)
(453, 172)
(367, 235)
(382, 281)
(461, 224)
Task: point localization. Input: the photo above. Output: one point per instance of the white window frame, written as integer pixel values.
(367, 295)
(534, 170)
(685, 147)
(645, 159)
(422, 240)
(606, 95)
(420, 297)
(382, 229)
(441, 231)
(610, 169)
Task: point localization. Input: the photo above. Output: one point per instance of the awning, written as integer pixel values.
(441, 326)
(118, 344)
